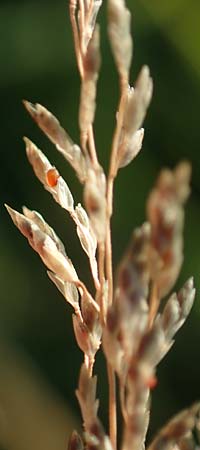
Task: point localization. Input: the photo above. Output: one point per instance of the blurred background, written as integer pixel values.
(39, 362)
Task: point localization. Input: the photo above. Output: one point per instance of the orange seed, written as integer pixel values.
(152, 382)
(52, 177)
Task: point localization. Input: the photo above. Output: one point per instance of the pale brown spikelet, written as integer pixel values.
(89, 314)
(91, 64)
(38, 160)
(75, 442)
(133, 108)
(133, 272)
(135, 400)
(54, 260)
(43, 226)
(63, 195)
(83, 337)
(166, 215)
(95, 436)
(87, 106)
(177, 430)
(86, 322)
(87, 330)
(177, 309)
(64, 144)
(68, 290)
(49, 125)
(130, 148)
(138, 101)
(128, 317)
(119, 21)
(45, 246)
(136, 389)
(41, 166)
(157, 341)
(182, 173)
(87, 239)
(86, 394)
(151, 349)
(111, 341)
(92, 9)
(132, 290)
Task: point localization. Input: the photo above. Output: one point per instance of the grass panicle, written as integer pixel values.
(126, 317)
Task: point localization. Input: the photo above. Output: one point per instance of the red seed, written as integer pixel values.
(52, 177)
(152, 382)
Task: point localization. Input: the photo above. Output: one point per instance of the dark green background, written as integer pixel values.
(38, 63)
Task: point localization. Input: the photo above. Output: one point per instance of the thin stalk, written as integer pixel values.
(109, 274)
(82, 16)
(112, 407)
(110, 186)
(72, 9)
(100, 296)
(92, 147)
(153, 303)
(109, 269)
